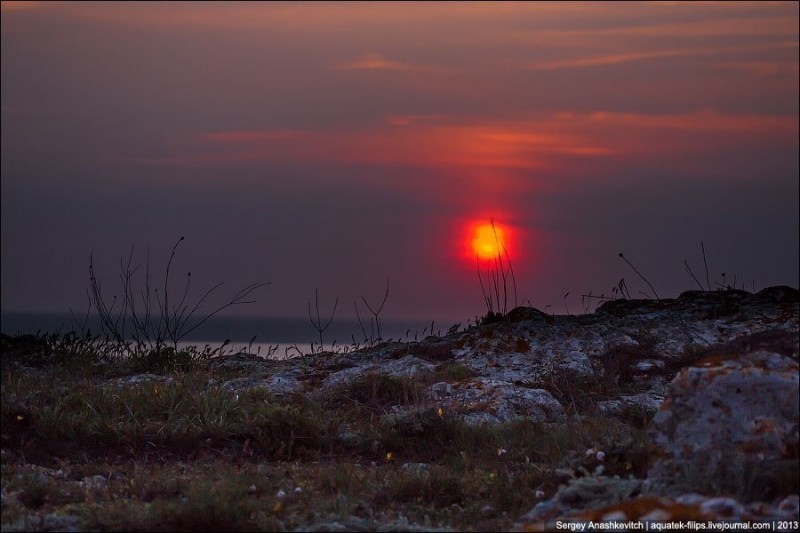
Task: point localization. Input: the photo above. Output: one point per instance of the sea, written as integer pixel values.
(269, 337)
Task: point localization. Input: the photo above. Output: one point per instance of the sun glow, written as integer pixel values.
(489, 241)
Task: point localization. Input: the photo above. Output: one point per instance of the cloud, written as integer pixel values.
(617, 58)
(376, 61)
(770, 26)
(710, 121)
(481, 148)
(302, 18)
(20, 5)
(438, 142)
(760, 68)
(715, 25)
(610, 59)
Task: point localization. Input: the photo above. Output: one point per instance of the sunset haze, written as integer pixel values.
(332, 145)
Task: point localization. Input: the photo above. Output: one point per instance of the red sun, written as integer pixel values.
(489, 241)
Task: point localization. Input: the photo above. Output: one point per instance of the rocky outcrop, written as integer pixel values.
(581, 493)
(684, 509)
(277, 384)
(725, 449)
(491, 401)
(531, 364)
(622, 356)
(713, 376)
(730, 425)
(716, 371)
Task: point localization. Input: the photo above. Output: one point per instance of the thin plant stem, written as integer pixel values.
(640, 275)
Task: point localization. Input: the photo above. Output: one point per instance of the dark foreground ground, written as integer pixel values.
(627, 412)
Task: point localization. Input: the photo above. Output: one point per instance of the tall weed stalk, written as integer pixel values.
(149, 317)
(495, 287)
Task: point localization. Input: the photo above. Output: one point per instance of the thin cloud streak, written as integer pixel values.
(645, 30)
(457, 142)
(616, 59)
(15, 6)
(376, 61)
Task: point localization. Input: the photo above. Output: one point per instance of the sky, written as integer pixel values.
(330, 146)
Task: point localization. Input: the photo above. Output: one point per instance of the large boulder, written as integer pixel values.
(729, 425)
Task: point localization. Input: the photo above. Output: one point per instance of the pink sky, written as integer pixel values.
(330, 145)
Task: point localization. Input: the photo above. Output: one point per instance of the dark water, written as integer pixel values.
(220, 328)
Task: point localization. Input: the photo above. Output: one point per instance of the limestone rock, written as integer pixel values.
(724, 421)
(403, 367)
(140, 379)
(684, 508)
(242, 362)
(482, 400)
(580, 494)
(276, 384)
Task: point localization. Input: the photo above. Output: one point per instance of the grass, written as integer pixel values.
(53, 415)
(177, 452)
(174, 454)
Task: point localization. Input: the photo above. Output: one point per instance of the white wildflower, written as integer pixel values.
(600, 455)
